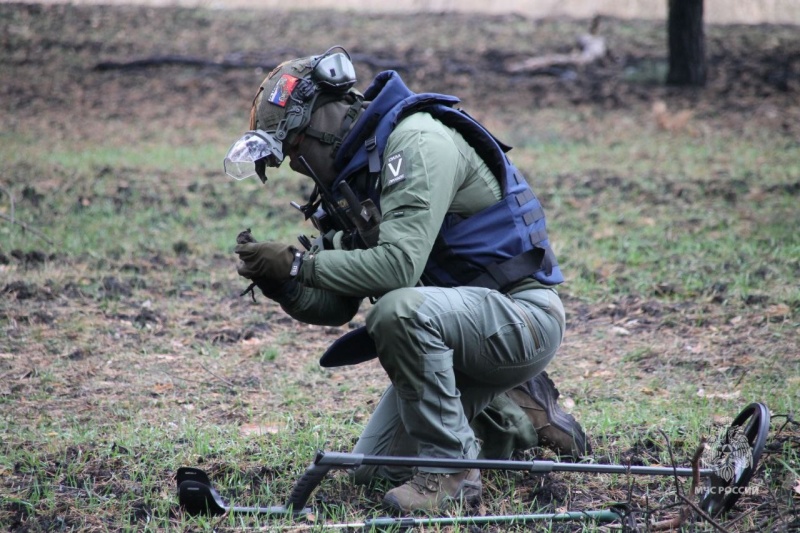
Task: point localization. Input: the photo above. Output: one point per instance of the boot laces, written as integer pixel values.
(426, 482)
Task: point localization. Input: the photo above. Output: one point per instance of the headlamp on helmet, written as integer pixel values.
(282, 109)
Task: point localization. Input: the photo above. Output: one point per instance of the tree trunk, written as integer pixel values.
(687, 55)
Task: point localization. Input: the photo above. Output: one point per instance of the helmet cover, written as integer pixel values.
(273, 98)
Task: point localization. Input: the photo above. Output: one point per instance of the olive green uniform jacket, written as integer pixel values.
(442, 174)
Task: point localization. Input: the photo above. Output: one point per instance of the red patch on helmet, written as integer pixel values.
(280, 93)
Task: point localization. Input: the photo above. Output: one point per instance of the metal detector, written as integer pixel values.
(197, 496)
(733, 457)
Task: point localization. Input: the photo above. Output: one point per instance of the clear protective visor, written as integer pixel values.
(254, 146)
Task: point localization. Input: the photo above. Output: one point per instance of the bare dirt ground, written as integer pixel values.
(57, 57)
(66, 71)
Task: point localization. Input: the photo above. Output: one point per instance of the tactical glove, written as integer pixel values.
(268, 260)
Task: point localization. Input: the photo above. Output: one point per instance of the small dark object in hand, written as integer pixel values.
(244, 237)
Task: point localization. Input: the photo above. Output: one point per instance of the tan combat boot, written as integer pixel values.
(429, 491)
(555, 428)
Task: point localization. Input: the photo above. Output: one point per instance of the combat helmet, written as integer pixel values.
(283, 106)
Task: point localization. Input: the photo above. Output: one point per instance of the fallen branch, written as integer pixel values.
(225, 381)
(698, 453)
(27, 228)
(685, 511)
(236, 60)
(703, 514)
(592, 48)
(10, 199)
(185, 61)
(789, 421)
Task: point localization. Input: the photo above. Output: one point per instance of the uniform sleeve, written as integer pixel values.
(319, 307)
(421, 174)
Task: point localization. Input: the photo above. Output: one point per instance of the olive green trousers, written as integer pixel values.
(451, 354)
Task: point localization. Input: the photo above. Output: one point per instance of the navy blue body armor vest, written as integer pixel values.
(493, 248)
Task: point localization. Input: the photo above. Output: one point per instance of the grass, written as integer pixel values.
(126, 350)
(199, 394)
(682, 212)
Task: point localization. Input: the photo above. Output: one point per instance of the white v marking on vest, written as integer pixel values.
(395, 170)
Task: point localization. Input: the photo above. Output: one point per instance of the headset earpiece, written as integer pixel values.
(335, 71)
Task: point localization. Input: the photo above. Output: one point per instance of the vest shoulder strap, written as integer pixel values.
(488, 147)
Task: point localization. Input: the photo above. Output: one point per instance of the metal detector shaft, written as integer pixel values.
(325, 461)
(403, 523)
(354, 460)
